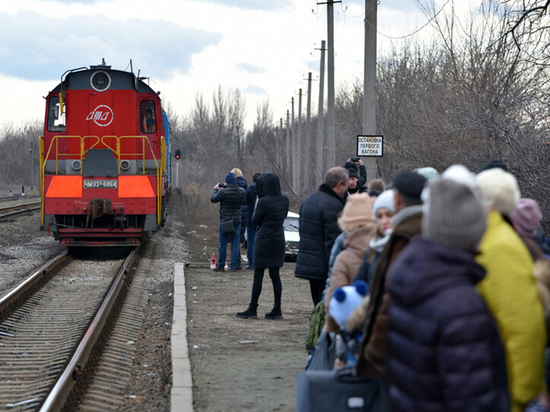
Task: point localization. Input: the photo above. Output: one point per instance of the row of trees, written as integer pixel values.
(477, 92)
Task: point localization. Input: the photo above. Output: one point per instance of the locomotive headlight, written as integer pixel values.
(124, 165)
(100, 81)
(76, 165)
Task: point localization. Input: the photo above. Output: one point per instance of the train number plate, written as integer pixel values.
(100, 184)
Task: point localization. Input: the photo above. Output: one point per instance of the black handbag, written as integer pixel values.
(227, 227)
(331, 391)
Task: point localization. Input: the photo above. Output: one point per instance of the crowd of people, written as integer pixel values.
(457, 270)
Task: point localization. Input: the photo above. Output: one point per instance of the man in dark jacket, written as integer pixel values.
(230, 196)
(251, 197)
(319, 228)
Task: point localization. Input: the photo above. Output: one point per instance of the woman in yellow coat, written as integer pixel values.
(510, 289)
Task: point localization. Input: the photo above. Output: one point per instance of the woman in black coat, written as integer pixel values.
(269, 246)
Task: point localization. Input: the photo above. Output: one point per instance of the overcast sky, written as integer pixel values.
(265, 48)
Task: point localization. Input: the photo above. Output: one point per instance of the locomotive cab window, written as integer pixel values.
(56, 119)
(148, 118)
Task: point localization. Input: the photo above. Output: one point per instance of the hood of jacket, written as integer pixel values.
(268, 184)
(241, 182)
(425, 267)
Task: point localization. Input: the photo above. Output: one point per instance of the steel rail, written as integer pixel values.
(61, 390)
(14, 210)
(27, 284)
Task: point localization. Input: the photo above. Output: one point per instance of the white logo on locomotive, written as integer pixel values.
(102, 115)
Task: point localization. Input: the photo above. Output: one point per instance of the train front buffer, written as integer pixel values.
(84, 211)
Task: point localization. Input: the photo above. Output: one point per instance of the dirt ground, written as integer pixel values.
(240, 364)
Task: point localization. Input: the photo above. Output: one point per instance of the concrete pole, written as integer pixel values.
(299, 144)
(319, 175)
(294, 153)
(308, 169)
(281, 144)
(287, 142)
(331, 117)
(369, 92)
(32, 171)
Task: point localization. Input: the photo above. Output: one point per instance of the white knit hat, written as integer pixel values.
(385, 199)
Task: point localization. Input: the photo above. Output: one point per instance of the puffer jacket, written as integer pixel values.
(510, 290)
(241, 182)
(444, 350)
(230, 199)
(251, 198)
(318, 230)
(269, 215)
(355, 245)
(373, 344)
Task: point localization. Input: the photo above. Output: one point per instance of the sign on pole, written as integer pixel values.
(370, 145)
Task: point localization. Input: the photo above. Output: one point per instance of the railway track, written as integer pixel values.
(12, 210)
(54, 331)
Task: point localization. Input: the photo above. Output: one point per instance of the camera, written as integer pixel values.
(355, 159)
(222, 184)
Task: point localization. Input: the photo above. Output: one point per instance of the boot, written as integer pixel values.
(249, 313)
(275, 313)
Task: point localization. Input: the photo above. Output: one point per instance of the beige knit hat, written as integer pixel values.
(357, 212)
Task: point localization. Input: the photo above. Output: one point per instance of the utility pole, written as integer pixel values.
(320, 119)
(299, 143)
(281, 144)
(287, 141)
(369, 82)
(331, 117)
(307, 174)
(294, 153)
(32, 171)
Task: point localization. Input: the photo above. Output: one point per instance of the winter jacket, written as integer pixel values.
(356, 243)
(251, 198)
(269, 215)
(444, 350)
(510, 290)
(230, 199)
(241, 182)
(318, 229)
(373, 345)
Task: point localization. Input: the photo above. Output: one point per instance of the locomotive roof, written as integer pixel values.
(80, 79)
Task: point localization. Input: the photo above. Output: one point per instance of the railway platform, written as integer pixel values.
(181, 399)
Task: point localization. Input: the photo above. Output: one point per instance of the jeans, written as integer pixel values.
(251, 235)
(232, 238)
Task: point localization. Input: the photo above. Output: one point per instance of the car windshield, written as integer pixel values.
(291, 224)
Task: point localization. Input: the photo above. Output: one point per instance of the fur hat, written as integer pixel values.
(526, 217)
(230, 178)
(499, 190)
(409, 184)
(428, 172)
(454, 216)
(385, 199)
(345, 300)
(357, 212)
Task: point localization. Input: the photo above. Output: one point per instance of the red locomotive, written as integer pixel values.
(104, 159)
